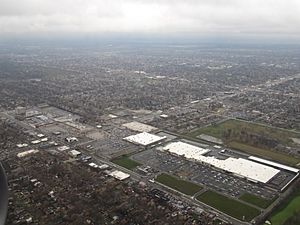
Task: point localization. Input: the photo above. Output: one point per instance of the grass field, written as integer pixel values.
(229, 206)
(255, 200)
(178, 184)
(265, 153)
(282, 135)
(287, 210)
(126, 162)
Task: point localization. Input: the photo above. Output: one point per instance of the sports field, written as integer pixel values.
(178, 184)
(126, 162)
(255, 200)
(288, 209)
(229, 206)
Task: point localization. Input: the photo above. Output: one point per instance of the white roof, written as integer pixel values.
(23, 154)
(187, 150)
(164, 116)
(104, 166)
(63, 148)
(246, 168)
(144, 138)
(112, 116)
(119, 175)
(239, 166)
(36, 142)
(292, 169)
(22, 145)
(94, 165)
(140, 127)
(75, 152)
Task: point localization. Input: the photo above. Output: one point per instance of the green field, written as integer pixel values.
(265, 153)
(180, 185)
(238, 126)
(126, 162)
(287, 210)
(255, 200)
(282, 135)
(229, 206)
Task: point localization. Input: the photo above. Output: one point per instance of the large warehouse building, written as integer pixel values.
(144, 139)
(251, 170)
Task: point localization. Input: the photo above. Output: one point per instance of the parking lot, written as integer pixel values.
(202, 174)
(159, 160)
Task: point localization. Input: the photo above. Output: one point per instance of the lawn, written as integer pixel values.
(126, 162)
(229, 206)
(255, 200)
(178, 184)
(217, 130)
(287, 210)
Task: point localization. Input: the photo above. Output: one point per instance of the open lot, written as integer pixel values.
(256, 200)
(288, 208)
(284, 136)
(229, 206)
(183, 186)
(126, 162)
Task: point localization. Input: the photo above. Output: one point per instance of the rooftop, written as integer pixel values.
(144, 138)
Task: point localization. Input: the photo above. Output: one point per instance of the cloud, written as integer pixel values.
(156, 16)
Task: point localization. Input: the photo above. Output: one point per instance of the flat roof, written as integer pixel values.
(239, 166)
(271, 163)
(184, 149)
(75, 152)
(23, 154)
(144, 138)
(246, 168)
(119, 175)
(140, 127)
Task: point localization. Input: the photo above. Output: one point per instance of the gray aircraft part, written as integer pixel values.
(3, 195)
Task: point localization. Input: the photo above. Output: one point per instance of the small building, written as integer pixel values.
(22, 145)
(104, 167)
(26, 153)
(63, 148)
(40, 135)
(93, 165)
(71, 139)
(36, 142)
(119, 175)
(74, 153)
(164, 116)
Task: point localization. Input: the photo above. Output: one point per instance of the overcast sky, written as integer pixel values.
(264, 17)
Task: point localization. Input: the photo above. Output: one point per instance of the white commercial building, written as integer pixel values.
(144, 139)
(119, 175)
(186, 150)
(75, 153)
(277, 165)
(139, 127)
(254, 171)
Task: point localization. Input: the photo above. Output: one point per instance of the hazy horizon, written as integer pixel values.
(206, 19)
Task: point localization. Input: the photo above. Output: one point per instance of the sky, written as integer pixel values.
(197, 17)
